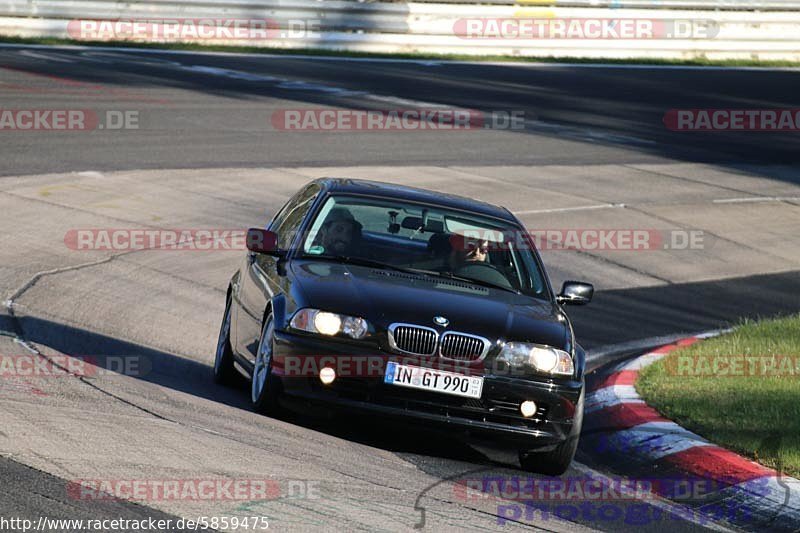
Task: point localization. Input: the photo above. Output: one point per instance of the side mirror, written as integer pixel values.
(575, 293)
(262, 241)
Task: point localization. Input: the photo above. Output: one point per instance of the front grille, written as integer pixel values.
(414, 339)
(463, 347)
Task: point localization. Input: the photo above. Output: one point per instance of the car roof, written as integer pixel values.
(403, 192)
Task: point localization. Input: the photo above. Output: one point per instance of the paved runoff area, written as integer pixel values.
(678, 234)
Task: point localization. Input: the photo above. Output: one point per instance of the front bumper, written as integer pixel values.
(495, 415)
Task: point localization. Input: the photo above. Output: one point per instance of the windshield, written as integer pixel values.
(429, 239)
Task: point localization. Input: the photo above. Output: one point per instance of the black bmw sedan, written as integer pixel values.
(403, 302)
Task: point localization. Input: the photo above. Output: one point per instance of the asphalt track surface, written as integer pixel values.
(594, 154)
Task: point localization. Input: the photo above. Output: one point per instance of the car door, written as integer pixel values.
(260, 280)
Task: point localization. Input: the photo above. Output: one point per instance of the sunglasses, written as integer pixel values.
(483, 248)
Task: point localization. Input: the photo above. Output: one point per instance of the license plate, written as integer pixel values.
(416, 377)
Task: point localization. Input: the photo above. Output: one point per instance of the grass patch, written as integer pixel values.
(756, 411)
(194, 47)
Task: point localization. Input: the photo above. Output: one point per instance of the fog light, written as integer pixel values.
(527, 408)
(327, 375)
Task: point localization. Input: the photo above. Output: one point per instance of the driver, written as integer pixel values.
(466, 250)
(341, 232)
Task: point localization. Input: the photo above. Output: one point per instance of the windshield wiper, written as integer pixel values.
(354, 260)
(450, 275)
(480, 282)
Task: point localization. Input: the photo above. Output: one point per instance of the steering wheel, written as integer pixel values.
(484, 272)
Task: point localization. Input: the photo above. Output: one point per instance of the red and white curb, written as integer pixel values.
(646, 441)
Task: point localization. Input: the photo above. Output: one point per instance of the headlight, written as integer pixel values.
(325, 323)
(537, 357)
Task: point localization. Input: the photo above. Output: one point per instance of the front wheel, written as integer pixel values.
(264, 386)
(552, 463)
(556, 461)
(224, 371)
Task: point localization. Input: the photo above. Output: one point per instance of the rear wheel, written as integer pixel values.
(555, 462)
(224, 372)
(264, 386)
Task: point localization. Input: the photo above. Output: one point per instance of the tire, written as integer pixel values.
(264, 387)
(555, 462)
(224, 373)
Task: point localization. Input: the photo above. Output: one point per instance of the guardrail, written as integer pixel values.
(430, 28)
(761, 5)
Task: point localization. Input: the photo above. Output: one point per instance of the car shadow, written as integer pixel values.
(618, 316)
(194, 377)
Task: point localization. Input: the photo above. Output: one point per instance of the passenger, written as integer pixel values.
(439, 251)
(466, 250)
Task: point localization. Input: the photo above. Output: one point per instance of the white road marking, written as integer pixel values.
(406, 102)
(565, 209)
(46, 57)
(654, 440)
(228, 73)
(104, 57)
(301, 85)
(640, 362)
(100, 57)
(714, 333)
(608, 396)
(757, 199)
(585, 134)
(26, 345)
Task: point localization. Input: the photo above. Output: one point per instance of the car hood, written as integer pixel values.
(386, 296)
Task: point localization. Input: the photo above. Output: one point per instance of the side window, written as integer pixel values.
(291, 216)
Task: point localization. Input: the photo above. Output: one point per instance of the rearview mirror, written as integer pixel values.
(262, 241)
(575, 293)
(432, 226)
